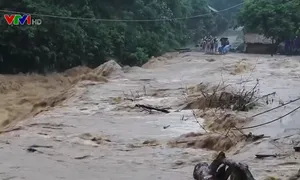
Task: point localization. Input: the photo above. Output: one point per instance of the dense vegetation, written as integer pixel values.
(59, 44)
(276, 19)
(230, 15)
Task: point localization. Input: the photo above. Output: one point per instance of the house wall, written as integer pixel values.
(258, 48)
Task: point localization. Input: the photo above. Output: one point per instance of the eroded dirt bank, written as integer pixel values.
(98, 134)
(25, 95)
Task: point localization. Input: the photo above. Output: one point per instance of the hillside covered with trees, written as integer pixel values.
(59, 44)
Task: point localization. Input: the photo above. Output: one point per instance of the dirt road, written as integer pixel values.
(97, 135)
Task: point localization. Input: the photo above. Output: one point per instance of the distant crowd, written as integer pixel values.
(210, 44)
(292, 46)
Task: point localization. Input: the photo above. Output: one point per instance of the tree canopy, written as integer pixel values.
(276, 19)
(58, 44)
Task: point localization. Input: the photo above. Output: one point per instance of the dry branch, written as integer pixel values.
(220, 97)
(264, 96)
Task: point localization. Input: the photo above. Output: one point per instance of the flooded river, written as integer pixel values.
(98, 135)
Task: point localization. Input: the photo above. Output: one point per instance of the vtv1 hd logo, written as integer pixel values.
(17, 19)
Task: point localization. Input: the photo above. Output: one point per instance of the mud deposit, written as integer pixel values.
(98, 133)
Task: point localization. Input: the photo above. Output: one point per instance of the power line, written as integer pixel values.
(269, 122)
(291, 101)
(118, 20)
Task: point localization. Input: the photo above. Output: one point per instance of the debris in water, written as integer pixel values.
(252, 137)
(183, 118)
(96, 139)
(297, 148)
(99, 140)
(221, 169)
(261, 156)
(151, 142)
(33, 148)
(165, 127)
(43, 134)
(40, 146)
(210, 60)
(83, 157)
(150, 108)
(49, 127)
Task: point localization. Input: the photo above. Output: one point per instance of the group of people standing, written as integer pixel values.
(209, 44)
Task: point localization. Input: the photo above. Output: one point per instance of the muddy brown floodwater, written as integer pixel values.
(98, 135)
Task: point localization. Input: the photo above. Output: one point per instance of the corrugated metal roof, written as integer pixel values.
(256, 38)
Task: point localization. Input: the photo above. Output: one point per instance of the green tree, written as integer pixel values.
(59, 44)
(275, 19)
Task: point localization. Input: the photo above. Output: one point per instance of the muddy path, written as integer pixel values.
(98, 135)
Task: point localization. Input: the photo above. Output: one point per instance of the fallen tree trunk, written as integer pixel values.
(221, 169)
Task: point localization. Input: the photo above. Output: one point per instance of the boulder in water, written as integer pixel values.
(108, 69)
